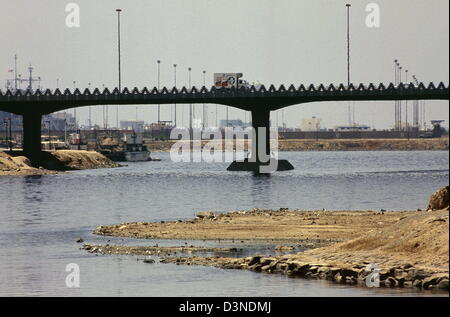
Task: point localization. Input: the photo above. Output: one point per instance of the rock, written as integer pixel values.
(408, 284)
(439, 200)
(349, 272)
(417, 284)
(391, 282)
(443, 284)
(282, 248)
(350, 280)
(432, 281)
(281, 267)
(255, 267)
(80, 240)
(254, 260)
(407, 266)
(416, 275)
(205, 215)
(338, 278)
(265, 268)
(266, 261)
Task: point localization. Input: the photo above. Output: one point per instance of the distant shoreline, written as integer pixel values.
(325, 145)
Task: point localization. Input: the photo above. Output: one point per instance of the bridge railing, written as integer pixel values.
(311, 90)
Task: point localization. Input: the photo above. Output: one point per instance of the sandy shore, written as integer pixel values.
(14, 163)
(441, 144)
(410, 248)
(290, 226)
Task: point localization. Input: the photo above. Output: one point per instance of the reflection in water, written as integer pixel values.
(43, 216)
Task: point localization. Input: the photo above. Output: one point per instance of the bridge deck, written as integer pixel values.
(252, 98)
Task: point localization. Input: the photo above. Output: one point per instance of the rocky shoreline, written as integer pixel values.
(407, 249)
(403, 276)
(150, 250)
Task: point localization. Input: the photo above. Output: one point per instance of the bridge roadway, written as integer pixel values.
(260, 101)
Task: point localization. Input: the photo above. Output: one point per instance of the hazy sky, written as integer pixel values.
(270, 41)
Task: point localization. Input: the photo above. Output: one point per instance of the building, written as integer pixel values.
(6, 117)
(311, 124)
(234, 123)
(136, 126)
(356, 127)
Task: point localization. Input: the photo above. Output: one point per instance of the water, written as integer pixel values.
(41, 217)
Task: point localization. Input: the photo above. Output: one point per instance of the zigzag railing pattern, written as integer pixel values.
(223, 91)
(247, 98)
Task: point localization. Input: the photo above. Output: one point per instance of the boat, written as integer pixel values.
(134, 149)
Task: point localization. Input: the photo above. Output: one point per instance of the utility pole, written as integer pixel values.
(119, 63)
(406, 106)
(348, 60)
(75, 109)
(190, 105)
(204, 107)
(89, 108)
(400, 68)
(159, 75)
(175, 85)
(15, 72)
(395, 102)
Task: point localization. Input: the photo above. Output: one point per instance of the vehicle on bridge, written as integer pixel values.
(229, 80)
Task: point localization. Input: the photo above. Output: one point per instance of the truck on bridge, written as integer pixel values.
(229, 80)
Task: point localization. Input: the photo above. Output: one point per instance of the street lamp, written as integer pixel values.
(204, 107)
(190, 105)
(400, 68)
(175, 85)
(348, 58)
(119, 63)
(348, 42)
(406, 106)
(74, 109)
(159, 75)
(395, 102)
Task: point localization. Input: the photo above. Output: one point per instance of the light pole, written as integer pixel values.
(90, 118)
(395, 102)
(406, 106)
(190, 105)
(204, 107)
(400, 68)
(15, 72)
(119, 63)
(175, 85)
(159, 75)
(75, 109)
(348, 59)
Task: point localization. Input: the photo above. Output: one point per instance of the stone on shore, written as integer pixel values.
(439, 200)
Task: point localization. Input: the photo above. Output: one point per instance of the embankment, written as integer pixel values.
(410, 249)
(441, 144)
(14, 163)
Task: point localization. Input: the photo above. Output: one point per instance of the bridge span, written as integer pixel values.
(260, 101)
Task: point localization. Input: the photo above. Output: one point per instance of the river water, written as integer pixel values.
(41, 217)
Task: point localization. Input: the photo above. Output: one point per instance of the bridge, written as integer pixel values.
(260, 101)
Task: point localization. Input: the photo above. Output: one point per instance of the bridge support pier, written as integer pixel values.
(261, 161)
(32, 138)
